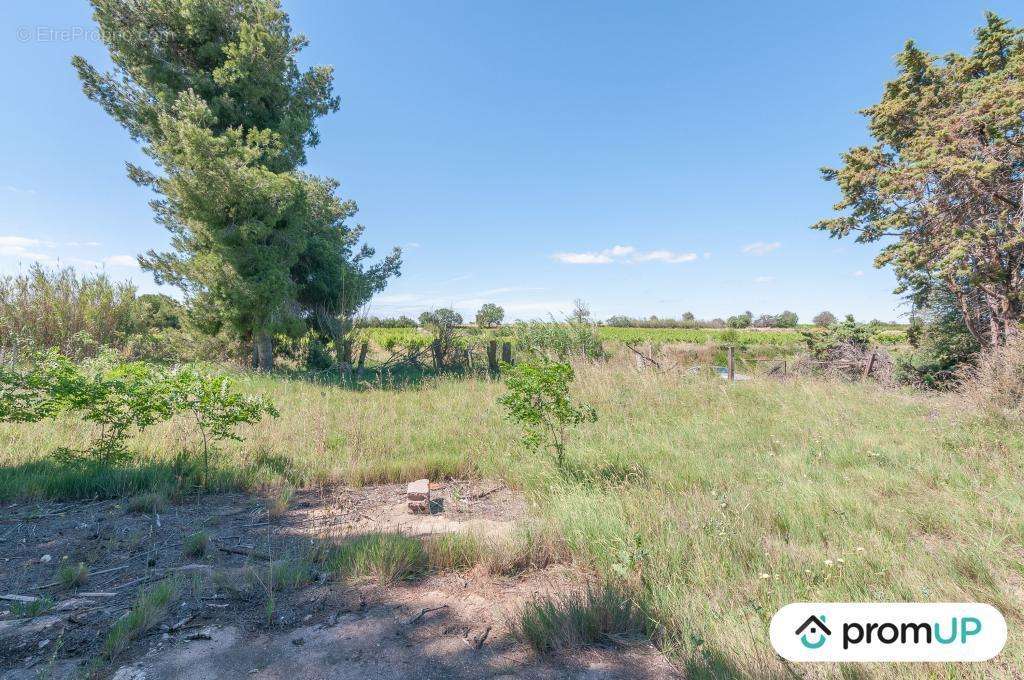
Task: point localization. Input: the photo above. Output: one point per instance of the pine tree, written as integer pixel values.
(212, 91)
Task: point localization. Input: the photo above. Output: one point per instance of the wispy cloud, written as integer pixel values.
(764, 279)
(759, 248)
(625, 254)
(121, 261)
(10, 188)
(858, 273)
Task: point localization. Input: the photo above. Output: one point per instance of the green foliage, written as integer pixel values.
(942, 345)
(443, 324)
(28, 610)
(942, 179)
(72, 574)
(196, 544)
(740, 320)
(123, 397)
(555, 341)
(538, 399)
(846, 332)
(489, 315)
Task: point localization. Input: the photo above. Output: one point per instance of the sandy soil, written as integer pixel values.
(441, 626)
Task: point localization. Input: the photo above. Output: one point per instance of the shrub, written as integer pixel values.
(148, 503)
(538, 399)
(56, 308)
(122, 397)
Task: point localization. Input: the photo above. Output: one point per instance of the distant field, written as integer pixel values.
(782, 338)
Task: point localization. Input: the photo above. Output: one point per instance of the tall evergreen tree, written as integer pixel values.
(212, 91)
(943, 184)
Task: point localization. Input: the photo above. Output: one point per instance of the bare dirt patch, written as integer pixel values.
(228, 622)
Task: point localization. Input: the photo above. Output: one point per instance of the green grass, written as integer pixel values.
(29, 610)
(148, 610)
(574, 620)
(714, 504)
(196, 544)
(382, 557)
(73, 575)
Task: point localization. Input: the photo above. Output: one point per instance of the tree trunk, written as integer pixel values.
(264, 351)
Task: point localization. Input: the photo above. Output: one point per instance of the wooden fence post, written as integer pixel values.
(435, 347)
(732, 364)
(363, 349)
(870, 365)
(506, 352)
(492, 355)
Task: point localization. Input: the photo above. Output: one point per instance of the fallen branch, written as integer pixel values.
(244, 551)
(423, 612)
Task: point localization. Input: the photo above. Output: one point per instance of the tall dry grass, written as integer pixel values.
(57, 308)
(995, 384)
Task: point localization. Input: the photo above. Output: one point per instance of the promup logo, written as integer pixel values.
(888, 632)
(818, 631)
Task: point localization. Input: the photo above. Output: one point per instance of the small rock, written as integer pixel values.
(45, 559)
(418, 490)
(299, 641)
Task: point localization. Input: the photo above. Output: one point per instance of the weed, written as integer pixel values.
(28, 610)
(579, 620)
(278, 504)
(151, 503)
(453, 551)
(196, 544)
(383, 557)
(72, 575)
(148, 610)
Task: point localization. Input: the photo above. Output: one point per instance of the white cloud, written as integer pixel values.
(858, 273)
(707, 256)
(665, 256)
(760, 248)
(582, 258)
(764, 279)
(627, 254)
(121, 261)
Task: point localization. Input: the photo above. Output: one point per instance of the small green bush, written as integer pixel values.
(124, 397)
(538, 399)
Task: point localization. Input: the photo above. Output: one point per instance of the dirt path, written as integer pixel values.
(452, 625)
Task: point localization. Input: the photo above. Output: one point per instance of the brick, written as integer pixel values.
(418, 490)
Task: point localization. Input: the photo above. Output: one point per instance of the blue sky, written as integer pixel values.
(649, 158)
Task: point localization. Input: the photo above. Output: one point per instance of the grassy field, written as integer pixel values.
(713, 503)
